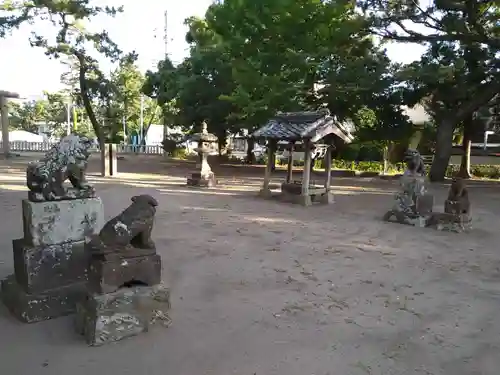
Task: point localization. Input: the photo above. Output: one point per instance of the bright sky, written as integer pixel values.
(140, 27)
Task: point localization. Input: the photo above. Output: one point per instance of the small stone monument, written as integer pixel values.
(50, 261)
(203, 177)
(413, 204)
(456, 216)
(125, 295)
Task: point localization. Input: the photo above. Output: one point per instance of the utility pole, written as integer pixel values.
(165, 33)
(165, 119)
(124, 121)
(165, 122)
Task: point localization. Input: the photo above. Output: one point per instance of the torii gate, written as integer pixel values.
(4, 112)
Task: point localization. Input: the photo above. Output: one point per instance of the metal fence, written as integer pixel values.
(22, 146)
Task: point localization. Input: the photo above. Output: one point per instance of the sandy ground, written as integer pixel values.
(263, 288)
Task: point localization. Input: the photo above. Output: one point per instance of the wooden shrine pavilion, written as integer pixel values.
(314, 133)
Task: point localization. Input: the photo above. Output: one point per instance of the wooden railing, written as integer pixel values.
(22, 146)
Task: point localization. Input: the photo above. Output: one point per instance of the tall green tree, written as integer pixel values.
(192, 92)
(50, 111)
(26, 115)
(459, 73)
(294, 55)
(72, 40)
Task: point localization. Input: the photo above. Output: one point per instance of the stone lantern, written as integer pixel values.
(203, 176)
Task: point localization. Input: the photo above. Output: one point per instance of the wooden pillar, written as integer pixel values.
(289, 171)
(266, 191)
(5, 126)
(328, 168)
(306, 174)
(327, 197)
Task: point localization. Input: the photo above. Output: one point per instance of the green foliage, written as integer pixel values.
(124, 104)
(50, 111)
(24, 116)
(249, 60)
(172, 146)
(192, 92)
(293, 55)
(71, 42)
(479, 171)
(458, 74)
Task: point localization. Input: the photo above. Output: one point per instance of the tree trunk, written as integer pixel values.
(148, 125)
(250, 159)
(90, 111)
(485, 92)
(464, 171)
(444, 139)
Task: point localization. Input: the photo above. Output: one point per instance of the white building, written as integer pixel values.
(24, 136)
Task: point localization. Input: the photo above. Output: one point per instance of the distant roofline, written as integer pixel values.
(9, 94)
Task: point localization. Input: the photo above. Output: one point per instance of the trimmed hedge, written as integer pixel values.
(479, 170)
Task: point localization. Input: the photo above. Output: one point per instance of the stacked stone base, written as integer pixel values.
(442, 221)
(400, 217)
(110, 317)
(124, 296)
(202, 180)
(50, 261)
(36, 307)
(449, 222)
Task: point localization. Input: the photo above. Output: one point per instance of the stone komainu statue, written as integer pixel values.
(414, 162)
(458, 198)
(129, 230)
(65, 160)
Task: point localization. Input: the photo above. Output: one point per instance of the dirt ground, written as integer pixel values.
(264, 288)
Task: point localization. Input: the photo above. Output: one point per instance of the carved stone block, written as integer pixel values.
(41, 268)
(456, 207)
(108, 275)
(104, 318)
(424, 204)
(31, 308)
(56, 222)
(450, 222)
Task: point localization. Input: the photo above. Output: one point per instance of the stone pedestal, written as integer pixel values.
(202, 179)
(105, 318)
(413, 205)
(109, 275)
(124, 297)
(456, 217)
(450, 222)
(50, 261)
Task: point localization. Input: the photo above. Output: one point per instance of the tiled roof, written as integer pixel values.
(295, 126)
(8, 94)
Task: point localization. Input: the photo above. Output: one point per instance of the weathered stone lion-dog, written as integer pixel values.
(129, 230)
